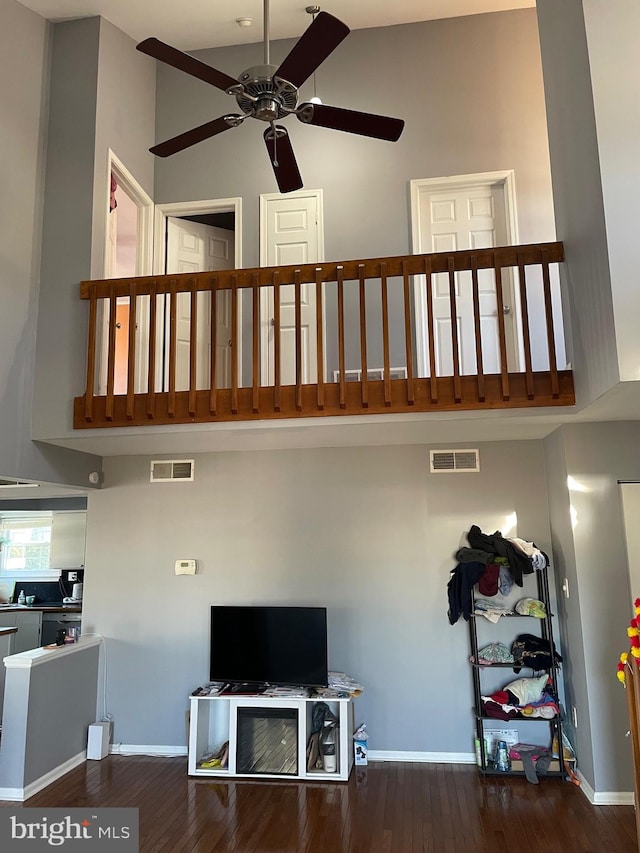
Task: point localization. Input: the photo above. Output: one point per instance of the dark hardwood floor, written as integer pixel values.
(384, 808)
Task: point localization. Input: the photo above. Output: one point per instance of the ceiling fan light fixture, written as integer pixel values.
(269, 93)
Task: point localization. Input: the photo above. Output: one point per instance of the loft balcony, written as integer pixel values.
(339, 338)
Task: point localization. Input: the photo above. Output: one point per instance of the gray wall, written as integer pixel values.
(47, 711)
(613, 34)
(24, 68)
(102, 96)
(577, 193)
(593, 556)
(367, 532)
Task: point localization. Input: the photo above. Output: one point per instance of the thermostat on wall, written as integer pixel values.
(185, 567)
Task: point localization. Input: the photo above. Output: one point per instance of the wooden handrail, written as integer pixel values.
(395, 382)
(505, 256)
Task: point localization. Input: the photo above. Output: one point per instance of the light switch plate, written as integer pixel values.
(185, 567)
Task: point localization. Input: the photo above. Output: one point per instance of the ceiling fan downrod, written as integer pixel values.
(266, 32)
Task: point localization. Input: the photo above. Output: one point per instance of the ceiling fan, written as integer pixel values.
(270, 93)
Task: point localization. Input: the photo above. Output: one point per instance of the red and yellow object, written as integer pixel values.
(633, 632)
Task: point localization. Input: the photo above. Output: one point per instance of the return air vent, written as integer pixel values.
(454, 461)
(172, 470)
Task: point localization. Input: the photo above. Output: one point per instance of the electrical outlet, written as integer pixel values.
(574, 716)
(73, 576)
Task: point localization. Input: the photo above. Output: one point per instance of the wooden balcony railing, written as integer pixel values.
(354, 337)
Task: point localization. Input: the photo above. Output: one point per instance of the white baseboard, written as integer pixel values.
(604, 798)
(424, 757)
(20, 794)
(147, 749)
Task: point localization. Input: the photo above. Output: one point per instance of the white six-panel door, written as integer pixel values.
(195, 247)
(291, 233)
(453, 214)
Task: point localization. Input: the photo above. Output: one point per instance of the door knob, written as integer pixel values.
(506, 309)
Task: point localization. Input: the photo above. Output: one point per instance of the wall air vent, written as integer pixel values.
(172, 470)
(454, 461)
(17, 484)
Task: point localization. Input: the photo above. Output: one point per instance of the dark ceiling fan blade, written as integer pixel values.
(196, 134)
(351, 121)
(319, 40)
(187, 63)
(282, 159)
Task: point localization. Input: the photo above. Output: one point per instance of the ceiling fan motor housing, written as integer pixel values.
(273, 98)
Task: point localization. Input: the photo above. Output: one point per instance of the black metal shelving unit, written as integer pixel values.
(555, 723)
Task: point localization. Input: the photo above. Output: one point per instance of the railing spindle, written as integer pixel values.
(341, 364)
(151, 371)
(319, 339)
(255, 367)
(111, 355)
(504, 372)
(433, 379)
(385, 335)
(525, 328)
(235, 332)
(546, 284)
(91, 357)
(131, 355)
(277, 387)
(213, 331)
(478, 326)
(193, 346)
(455, 352)
(363, 338)
(407, 333)
(173, 347)
(298, 315)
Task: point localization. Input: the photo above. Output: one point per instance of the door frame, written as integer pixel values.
(197, 208)
(144, 264)
(426, 186)
(265, 304)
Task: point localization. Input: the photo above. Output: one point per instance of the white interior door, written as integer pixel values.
(291, 233)
(470, 212)
(195, 247)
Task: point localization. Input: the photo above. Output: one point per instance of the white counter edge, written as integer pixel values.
(34, 657)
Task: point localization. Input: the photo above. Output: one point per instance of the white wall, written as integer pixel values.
(367, 532)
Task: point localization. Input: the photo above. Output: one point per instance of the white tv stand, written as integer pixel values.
(215, 720)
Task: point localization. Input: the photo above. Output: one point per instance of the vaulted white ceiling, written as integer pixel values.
(196, 24)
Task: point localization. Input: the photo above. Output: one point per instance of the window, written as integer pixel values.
(25, 543)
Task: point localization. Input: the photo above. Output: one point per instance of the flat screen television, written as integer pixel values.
(269, 645)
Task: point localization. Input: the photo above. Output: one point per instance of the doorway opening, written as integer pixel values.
(200, 236)
(128, 253)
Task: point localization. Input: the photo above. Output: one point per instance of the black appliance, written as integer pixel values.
(269, 645)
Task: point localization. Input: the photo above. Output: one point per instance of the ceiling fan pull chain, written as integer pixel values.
(275, 144)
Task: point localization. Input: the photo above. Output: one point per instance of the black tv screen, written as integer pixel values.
(269, 645)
